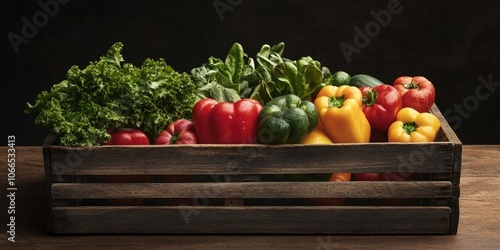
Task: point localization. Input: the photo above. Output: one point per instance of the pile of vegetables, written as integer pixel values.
(238, 100)
(270, 100)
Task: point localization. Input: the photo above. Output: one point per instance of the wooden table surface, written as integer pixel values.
(479, 225)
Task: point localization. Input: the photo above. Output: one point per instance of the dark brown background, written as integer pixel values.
(452, 43)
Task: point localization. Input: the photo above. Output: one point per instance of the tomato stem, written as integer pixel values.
(411, 85)
(174, 138)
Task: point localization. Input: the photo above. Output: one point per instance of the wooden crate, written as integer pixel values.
(238, 188)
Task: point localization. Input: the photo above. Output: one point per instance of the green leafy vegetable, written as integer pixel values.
(107, 95)
(274, 75)
(280, 76)
(228, 80)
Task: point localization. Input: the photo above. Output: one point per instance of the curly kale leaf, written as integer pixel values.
(107, 95)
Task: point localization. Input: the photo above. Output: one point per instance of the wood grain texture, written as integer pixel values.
(457, 166)
(253, 220)
(253, 159)
(478, 229)
(392, 189)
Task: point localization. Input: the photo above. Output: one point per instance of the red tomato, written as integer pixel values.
(416, 92)
(126, 136)
(179, 132)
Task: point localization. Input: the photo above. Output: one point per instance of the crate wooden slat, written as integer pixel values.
(253, 220)
(236, 174)
(383, 189)
(252, 159)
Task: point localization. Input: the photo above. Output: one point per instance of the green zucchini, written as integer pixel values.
(361, 80)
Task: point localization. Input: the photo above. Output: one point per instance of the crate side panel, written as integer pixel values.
(254, 159)
(455, 215)
(450, 135)
(48, 179)
(249, 220)
(456, 171)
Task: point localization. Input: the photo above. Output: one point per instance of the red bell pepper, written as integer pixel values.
(226, 123)
(381, 105)
(417, 92)
(179, 132)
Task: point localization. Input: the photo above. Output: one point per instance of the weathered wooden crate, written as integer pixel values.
(237, 189)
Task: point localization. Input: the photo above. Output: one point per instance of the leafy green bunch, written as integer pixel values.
(238, 76)
(108, 94)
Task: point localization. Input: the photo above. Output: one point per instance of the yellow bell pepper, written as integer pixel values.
(413, 126)
(340, 113)
(317, 136)
(349, 92)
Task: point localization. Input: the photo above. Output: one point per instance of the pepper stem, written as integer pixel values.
(370, 97)
(336, 102)
(410, 127)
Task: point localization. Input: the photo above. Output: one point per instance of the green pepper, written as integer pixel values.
(286, 120)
